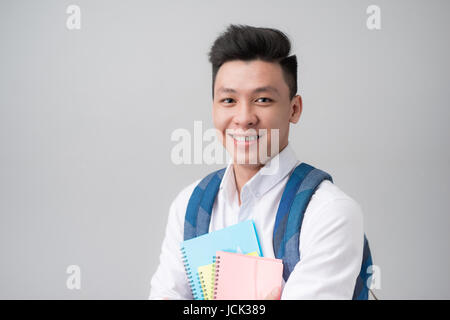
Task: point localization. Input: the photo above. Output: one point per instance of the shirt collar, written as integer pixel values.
(283, 163)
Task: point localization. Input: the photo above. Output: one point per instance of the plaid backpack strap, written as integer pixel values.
(301, 185)
(361, 291)
(198, 212)
(286, 234)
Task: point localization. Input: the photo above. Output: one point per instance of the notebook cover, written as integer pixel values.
(207, 275)
(201, 251)
(243, 277)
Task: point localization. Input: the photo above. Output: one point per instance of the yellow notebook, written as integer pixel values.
(207, 274)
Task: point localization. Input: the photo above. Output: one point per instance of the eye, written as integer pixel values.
(227, 100)
(267, 99)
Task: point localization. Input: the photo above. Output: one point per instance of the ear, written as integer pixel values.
(296, 108)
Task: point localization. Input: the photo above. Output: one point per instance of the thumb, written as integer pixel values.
(274, 294)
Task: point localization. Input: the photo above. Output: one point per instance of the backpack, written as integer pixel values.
(286, 234)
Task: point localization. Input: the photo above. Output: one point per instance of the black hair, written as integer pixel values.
(243, 42)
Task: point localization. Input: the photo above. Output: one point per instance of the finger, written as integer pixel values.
(274, 294)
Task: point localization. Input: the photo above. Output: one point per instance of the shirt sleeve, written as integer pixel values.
(170, 280)
(331, 248)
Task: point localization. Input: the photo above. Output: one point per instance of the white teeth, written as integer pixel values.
(245, 138)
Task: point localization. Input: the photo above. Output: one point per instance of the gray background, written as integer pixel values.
(86, 118)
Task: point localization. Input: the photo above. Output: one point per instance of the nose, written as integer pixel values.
(245, 116)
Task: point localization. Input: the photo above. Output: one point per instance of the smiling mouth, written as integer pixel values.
(245, 138)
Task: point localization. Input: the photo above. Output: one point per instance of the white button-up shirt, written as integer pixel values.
(331, 237)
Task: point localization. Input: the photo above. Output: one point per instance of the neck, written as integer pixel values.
(242, 174)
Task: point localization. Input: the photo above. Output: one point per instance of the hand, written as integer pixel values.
(274, 294)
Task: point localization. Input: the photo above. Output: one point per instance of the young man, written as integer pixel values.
(254, 88)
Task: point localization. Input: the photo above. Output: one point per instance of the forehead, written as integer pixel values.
(247, 75)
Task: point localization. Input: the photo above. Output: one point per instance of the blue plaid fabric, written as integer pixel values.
(198, 212)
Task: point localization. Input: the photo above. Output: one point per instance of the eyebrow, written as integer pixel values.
(260, 89)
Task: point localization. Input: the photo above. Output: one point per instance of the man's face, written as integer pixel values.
(250, 96)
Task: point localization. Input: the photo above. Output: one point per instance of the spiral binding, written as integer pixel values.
(216, 275)
(202, 280)
(213, 276)
(202, 284)
(187, 269)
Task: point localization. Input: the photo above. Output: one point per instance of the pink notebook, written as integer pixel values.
(242, 277)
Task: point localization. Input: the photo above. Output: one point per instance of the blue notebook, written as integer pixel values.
(200, 251)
